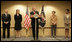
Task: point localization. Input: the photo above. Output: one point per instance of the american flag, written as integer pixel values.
(27, 20)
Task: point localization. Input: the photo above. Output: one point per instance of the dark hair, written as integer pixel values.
(68, 10)
(54, 11)
(17, 10)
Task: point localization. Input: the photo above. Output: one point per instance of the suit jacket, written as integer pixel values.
(6, 18)
(33, 19)
(67, 20)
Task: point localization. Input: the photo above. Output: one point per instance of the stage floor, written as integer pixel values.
(40, 38)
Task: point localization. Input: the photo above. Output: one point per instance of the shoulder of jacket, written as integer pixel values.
(3, 14)
(8, 14)
(31, 12)
(15, 15)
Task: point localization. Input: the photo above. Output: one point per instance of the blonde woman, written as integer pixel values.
(18, 20)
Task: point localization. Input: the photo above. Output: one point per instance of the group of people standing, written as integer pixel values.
(6, 18)
(53, 23)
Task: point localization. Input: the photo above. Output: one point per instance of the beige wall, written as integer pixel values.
(49, 6)
(58, 6)
(47, 32)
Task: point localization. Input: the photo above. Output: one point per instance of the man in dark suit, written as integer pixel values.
(34, 11)
(6, 18)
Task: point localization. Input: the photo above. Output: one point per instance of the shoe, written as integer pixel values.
(54, 36)
(16, 37)
(19, 36)
(68, 37)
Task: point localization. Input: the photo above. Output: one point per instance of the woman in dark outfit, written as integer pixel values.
(18, 20)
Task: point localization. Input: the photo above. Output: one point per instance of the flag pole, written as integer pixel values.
(26, 29)
(43, 9)
(35, 29)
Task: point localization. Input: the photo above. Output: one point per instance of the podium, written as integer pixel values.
(36, 16)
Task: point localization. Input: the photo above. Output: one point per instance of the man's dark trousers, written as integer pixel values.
(6, 26)
(33, 27)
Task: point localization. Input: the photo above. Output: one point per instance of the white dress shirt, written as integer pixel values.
(6, 16)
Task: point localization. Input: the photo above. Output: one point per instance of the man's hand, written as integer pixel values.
(54, 23)
(6, 22)
(32, 16)
(39, 15)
